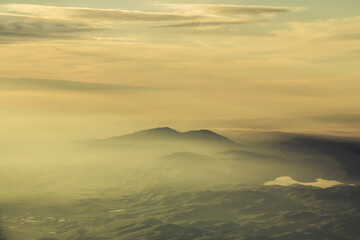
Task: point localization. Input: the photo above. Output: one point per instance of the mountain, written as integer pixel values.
(338, 155)
(169, 135)
(151, 134)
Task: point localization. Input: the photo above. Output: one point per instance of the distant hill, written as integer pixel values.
(169, 135)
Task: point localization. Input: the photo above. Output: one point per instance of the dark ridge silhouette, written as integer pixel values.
(206, 134)
(155, 133)
(345, 152)
(166, 133)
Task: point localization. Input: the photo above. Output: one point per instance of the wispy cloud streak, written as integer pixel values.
(31, 84)
(229, 10)
(178, 12)
(23, 22)
(21, 27)
(108, 15)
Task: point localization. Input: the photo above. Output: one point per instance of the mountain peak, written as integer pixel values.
(203, 132)
(207, 135)
(168, 134)
(161, 129)
(155, 133)
(158, 131)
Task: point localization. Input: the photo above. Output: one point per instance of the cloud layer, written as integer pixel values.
(28, 21)
(17, 27)
(108, 15)
(28, 84)
(179, 12)
(217, 10)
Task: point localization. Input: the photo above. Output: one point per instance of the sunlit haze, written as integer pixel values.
(179, 120)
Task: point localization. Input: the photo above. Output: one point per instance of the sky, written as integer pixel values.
(90, 69)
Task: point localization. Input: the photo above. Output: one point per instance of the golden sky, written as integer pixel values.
(79, 69)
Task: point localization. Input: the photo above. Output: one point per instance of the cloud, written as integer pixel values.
(330, 29)
(336, 124)
(234, 10)
(321, 41)
(107, 15)
(29, 22)
(215, 15)
(338, 118)
(182, 14)
(217, 10)
(287, 181)
(19, 27)
(211, 23)
(30, 84)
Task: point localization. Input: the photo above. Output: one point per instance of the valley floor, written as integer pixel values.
(220, 213)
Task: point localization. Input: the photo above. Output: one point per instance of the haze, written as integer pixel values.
(179, 120)
(86, 69)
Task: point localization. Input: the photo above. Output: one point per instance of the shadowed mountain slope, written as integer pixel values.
(167, 140)
(341, 153)
(166, 133)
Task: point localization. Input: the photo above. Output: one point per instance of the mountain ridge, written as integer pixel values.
(167, 134)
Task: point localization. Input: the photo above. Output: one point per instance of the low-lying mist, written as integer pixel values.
(172, 170)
